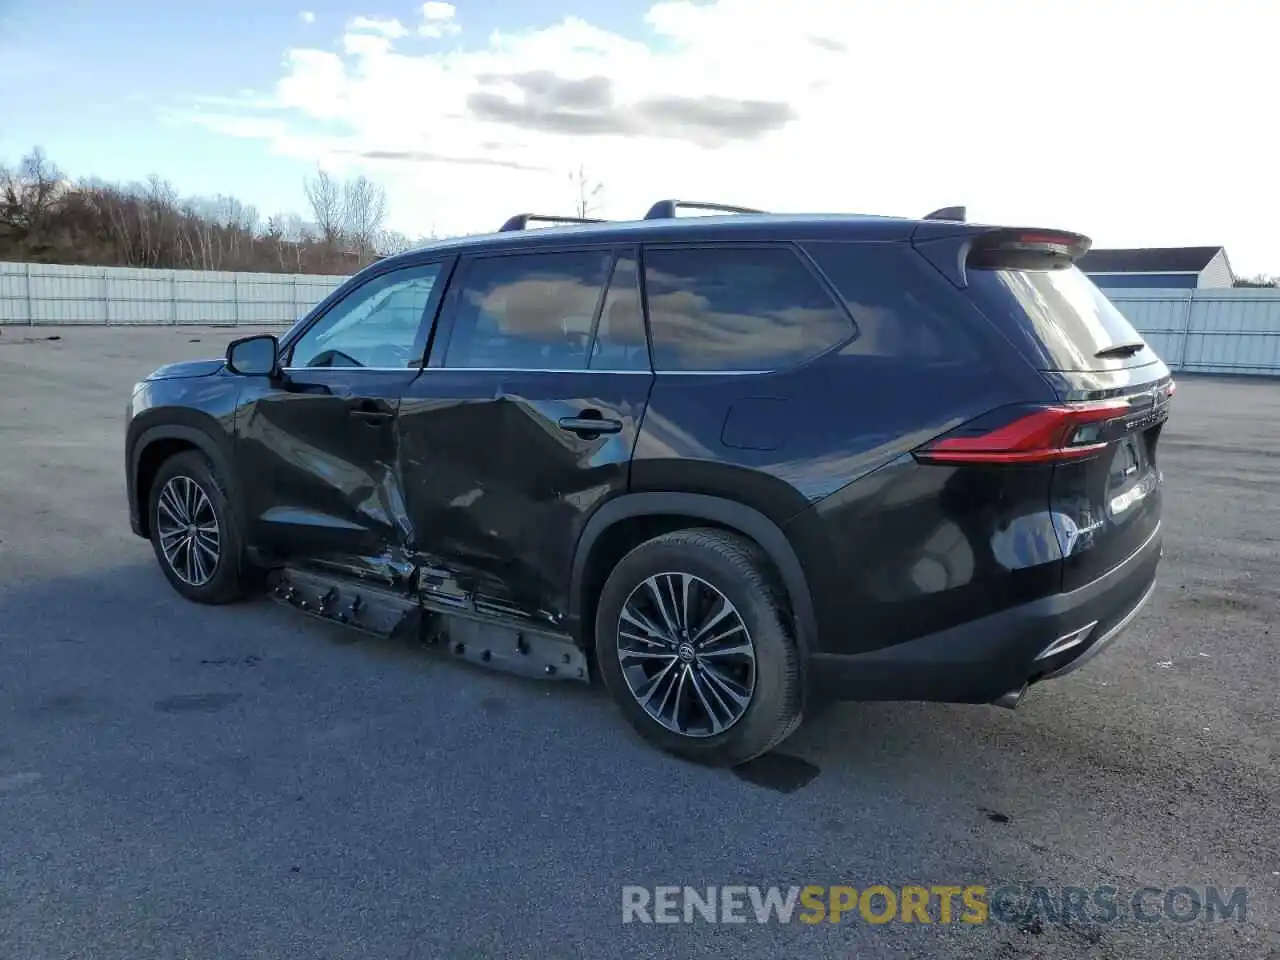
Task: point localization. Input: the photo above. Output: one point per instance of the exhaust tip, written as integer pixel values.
(1011, 699)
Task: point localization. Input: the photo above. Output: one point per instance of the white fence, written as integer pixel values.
(1202, 331)
(37, 293)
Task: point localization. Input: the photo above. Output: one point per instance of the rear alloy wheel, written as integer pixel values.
(193, 531)
(686, 655)
(691, 640)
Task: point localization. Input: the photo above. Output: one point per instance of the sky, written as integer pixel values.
(1136, 122)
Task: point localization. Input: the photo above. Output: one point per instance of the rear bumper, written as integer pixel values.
(982, 661)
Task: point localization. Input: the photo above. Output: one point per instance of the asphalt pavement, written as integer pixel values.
(187, 782)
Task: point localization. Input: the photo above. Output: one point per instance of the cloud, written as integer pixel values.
(549, 103)
(438, 19)
(1023, 112)
(366, 44)
(306, 16)
(435, 10)
(423, 156)
(236, 126)
(391, 28)
(826, 43)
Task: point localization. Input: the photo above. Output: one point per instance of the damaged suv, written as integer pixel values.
(736, 465)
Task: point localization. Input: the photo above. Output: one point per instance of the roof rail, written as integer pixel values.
(947, 213)
(666, 209)
(521, 221)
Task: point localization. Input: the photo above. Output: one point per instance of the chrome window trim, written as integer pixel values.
(647, 373)
(349, 369)
(644, 373)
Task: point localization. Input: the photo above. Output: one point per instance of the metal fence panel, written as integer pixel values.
(1227, 331)
(1207, 331)
(14, 301)
(38, 293)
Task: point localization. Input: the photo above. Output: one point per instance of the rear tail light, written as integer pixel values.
(1037, 434)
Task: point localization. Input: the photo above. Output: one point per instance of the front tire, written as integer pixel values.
(693, 645)
(194, 532)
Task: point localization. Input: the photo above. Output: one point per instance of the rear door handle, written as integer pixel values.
(371, 411)
(590, 426)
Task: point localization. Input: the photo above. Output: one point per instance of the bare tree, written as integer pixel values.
(1261, 280)
(364, 206)
(273, 237)
(325, 196)
(586, 192)
(28, 194)
(45, 218)
(43, 179)
(391, 242)
(234, 214)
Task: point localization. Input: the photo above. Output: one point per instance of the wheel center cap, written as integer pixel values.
(685, 652)
(191, 529)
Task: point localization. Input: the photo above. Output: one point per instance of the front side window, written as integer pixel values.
(532, 311)
(737, 309)
(376, 325)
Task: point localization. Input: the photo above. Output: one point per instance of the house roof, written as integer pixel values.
(1148, 260)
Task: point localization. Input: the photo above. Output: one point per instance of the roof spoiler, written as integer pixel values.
(959, 249)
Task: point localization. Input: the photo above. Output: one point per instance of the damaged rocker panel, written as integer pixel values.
(453, 621)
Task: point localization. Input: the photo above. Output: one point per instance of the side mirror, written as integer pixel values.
(256, 356)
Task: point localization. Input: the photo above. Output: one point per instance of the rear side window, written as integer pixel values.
(528, 311)
(737, 309)
(905, 309)
(620, 342)
(1066, 321)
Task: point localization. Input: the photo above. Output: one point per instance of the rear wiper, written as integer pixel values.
(1120, 350)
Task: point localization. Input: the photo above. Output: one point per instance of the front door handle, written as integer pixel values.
(590, 426)
(371, 411)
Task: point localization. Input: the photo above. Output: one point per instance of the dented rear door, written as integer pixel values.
(523, 422)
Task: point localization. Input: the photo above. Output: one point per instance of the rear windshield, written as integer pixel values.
(1070, 323)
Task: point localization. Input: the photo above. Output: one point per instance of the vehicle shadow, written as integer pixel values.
(80, 628)
(65, 637)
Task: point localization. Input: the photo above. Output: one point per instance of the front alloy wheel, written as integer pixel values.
(686, 655)
(188, 529)
(194, 531)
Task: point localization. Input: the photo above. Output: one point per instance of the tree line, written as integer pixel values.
(45, 217)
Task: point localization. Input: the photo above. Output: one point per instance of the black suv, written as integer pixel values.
(737, 464)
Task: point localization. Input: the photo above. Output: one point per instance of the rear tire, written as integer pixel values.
(194, 533)
(692, 643)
